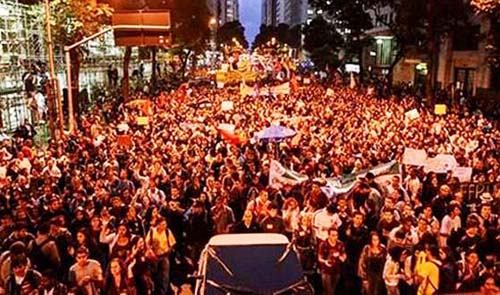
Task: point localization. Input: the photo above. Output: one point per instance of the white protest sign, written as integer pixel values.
(307, 81)
(440, 164)
(226, 127)
(464, 174)
(227, 105)
(412, 114)
(414, 157)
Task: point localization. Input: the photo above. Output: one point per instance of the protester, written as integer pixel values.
(118, 192)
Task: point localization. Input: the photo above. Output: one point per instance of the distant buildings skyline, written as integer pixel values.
(224, 10)
(290, 12)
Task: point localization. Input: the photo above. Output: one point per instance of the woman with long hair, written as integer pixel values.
(304, 241)
(141, 267)
(448, 273)
(120, 242)
(119, 280)
(291, 215)
(151, 218)
(371, 266)
(82, 239)
(391, 271)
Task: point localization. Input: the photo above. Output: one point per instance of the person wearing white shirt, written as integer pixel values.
(323, 220)
(412, 184)
(451, 222)
(391, 273)
(52, 170)
(410, 235)
(23, 162)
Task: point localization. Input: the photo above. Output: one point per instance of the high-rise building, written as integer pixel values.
(290, 12)
(227, 11)
(295, 12)
(269, 12)
(280, 11)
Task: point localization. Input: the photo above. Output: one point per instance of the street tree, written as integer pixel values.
(191, 29)
(323, 43)
(266, 33)
(490, 9)
(283, 34)
(422, 25)
(73, 20)
(232, 31)
(406, 26)
(352, 20)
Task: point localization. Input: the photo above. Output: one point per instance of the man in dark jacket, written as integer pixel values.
(22, 280)
(273, 223)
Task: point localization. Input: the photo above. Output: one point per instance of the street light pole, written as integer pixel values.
(213, 41)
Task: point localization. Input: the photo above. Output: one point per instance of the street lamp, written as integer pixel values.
(213, 26)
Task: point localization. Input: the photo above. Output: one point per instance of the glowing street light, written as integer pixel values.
(212, 21)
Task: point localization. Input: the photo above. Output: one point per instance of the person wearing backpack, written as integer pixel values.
(43, 251)
(428, 272)
(160, 242)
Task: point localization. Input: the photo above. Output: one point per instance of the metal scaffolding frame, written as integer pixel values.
(22, 44)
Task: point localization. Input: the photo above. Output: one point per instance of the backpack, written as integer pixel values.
(38, 258)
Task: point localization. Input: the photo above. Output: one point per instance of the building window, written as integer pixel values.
(467, 38)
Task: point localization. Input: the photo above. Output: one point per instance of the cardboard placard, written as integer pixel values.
(440, 109)
(440, 164)
(227, 105)
(464, 174)
(412, 114)
(414, 157)
(141, 121)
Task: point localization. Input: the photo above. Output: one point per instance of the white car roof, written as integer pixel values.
(248, 239)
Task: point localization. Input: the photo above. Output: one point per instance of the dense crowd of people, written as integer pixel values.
(125, 208)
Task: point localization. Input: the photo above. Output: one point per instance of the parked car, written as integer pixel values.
(257, 264)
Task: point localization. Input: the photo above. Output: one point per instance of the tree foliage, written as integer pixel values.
(230, 30)
(323, 43)
(73, 20)
(486, 6)
(283, 34)
(190, 24)
(491, 10)
(352, 20)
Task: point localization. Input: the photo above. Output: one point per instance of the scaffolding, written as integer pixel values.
(21, 46)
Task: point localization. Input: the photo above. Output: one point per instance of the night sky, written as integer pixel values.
(250, 18)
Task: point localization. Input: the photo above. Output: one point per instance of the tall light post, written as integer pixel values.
(213, 42)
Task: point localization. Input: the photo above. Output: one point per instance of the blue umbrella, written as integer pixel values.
(276, 133)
